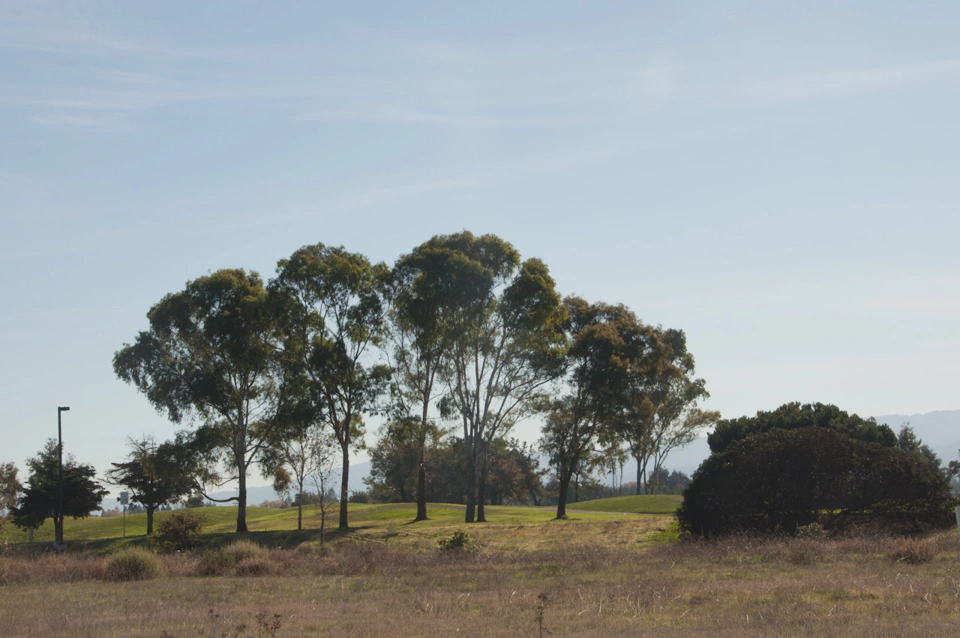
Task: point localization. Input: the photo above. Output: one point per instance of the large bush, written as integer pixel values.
(178, 531)
(783, 479)
(792, 416)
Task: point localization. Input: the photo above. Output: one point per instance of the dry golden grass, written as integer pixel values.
(596, 580)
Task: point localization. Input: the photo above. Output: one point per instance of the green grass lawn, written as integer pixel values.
(277, 527)
(637, 504)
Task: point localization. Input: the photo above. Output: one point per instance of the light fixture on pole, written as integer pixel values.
(59, 542)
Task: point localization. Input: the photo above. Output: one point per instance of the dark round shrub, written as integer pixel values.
(775, 482)
(792, 416)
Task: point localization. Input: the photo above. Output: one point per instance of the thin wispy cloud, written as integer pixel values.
(96, 123)
(851, 82)
(408, 115)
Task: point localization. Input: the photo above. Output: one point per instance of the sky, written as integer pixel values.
(778, 179)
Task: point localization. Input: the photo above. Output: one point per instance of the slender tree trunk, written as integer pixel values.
(323, 519)
(345, 480)
(639, 475)
(422, 470)
(300, 510)
(242, 501)
(150, 509)
(422, 490)
(482, 487)
(471, 481)
(562, 497)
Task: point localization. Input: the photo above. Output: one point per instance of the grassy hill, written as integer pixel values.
(637, 504)
(277, 527)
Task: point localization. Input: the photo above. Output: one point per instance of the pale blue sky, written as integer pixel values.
(780, 181)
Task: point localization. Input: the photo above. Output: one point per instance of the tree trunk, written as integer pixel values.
(323, 519)
(639, 476)
(422, 490)
(422, 471)
(482, 488)
(242, 502)
(471, 483)
(150, 509)
(300, 510)
(345, 479)
(562, 497)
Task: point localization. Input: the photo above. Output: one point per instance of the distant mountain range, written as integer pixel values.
(939, 430)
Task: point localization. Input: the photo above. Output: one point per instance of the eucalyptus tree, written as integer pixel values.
(612, 356)
(431, 289)
(499, 321)
(664, 413)
(213, 354)
(335, 305)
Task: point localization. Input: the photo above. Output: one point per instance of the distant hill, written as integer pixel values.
(940, 430)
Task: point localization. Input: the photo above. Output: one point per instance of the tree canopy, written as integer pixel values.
(795, 415)
(213, 352)
(501, 322)
(334, 316)
(82, 494)
(154, 475)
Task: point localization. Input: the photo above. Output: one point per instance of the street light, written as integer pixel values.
(59, 542)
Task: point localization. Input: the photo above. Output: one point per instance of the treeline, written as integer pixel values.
(459, 335)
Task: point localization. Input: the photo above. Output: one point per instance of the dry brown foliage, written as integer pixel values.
(737, 586)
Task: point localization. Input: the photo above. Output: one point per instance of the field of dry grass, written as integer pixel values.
(584, 578)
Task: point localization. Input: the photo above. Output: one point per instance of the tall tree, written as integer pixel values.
(504, 339)
(663, 414)
(82, 493)
(213, 352)
(153, 475)
(612, 357)
(430, 288)
(335, 307)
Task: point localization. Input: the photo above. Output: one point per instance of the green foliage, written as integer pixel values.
(459, 541)
(133, 563)
(154, 475)
(498, 323)
(179, 530)
(82, 494)
(908, 442)
(3, 534)
(213, 350)
(783, 479)
(791, 416)
(334, 310)
(612, 360)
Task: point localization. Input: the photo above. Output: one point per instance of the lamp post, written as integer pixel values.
(59, 543)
